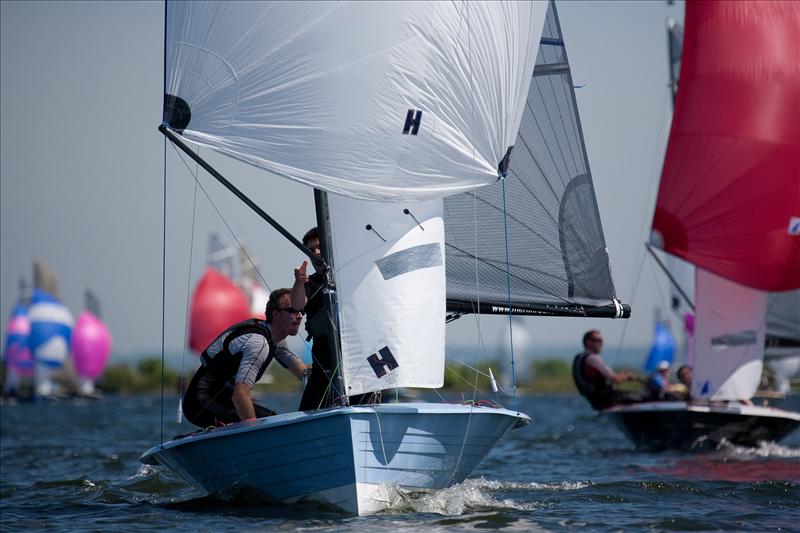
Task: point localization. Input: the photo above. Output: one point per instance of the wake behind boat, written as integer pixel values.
(351, 458)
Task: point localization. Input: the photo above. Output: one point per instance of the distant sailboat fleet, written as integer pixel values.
(47, 354)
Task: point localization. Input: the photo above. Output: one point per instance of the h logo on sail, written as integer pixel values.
(382, 362)
(413, 120)
(794, 224)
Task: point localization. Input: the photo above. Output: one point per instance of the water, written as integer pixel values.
(75, 467)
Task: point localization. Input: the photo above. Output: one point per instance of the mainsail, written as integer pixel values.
(729, 199)
(543, 214)
(783, 320)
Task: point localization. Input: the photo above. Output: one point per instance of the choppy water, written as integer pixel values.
(75, 467)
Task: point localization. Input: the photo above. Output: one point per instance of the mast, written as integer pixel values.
(329, 290)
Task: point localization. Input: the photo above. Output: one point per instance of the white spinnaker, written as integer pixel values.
(729, 338)
(319, 92)
(391, 293)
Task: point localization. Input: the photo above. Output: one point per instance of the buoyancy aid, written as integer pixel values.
(596, 389)
(224, 365)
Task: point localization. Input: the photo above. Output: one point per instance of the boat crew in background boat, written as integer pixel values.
(220, 391)
(685, 375)
(594, 378)
(659, 387)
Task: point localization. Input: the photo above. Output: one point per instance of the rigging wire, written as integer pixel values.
(508, 286)
(224, 221)
(164, 238)
(188, 288)
(646, 207)
(195, 175)
(163, 285)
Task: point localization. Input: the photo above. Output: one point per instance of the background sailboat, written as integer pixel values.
(91, 345)
(663, 347)
(51, 331)
(728, 203)
(391, 106)
(18, 361)
(217, 301)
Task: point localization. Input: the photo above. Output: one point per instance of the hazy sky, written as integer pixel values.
(81, 168)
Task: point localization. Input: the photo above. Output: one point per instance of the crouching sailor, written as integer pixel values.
(595, 380)
(220, 391)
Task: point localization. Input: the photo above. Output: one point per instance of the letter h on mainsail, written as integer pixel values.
(382, 362)
(414, 120)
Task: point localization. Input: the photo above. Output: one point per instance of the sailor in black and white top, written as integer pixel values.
(220, 391)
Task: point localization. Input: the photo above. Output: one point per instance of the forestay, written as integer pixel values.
(389, 260)
(558, 262)
(371, 100)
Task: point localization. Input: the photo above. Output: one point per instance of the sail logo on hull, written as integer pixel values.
(413, 120)
(382, 362)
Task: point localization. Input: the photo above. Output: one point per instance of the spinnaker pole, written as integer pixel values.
(318, 262)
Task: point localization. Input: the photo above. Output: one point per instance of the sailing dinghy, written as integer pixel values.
(729, 203)
(408, 112)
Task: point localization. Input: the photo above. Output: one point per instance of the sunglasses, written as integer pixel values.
(596, 340)
(292, 311)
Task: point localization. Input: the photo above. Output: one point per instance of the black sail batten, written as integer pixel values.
(243, 197)
(545, 207)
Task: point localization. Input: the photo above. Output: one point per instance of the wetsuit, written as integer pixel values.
(240, 354)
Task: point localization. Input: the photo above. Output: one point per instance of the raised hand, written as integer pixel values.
(300, 273)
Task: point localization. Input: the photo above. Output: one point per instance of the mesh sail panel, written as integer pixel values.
(783, 318)
(557, 257)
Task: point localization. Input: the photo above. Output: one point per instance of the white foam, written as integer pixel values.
(469, 495)
(144, 471)
(764, 449)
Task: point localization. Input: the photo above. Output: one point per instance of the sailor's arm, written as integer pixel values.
(290, 361)
(299, 287)
(255, 350)
(299, 368)
(243, 402)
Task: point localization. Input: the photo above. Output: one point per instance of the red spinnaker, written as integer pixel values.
(216, 304)
(729, 199)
